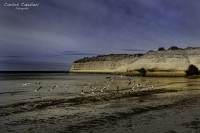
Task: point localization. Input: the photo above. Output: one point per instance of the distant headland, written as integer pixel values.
(173, 61)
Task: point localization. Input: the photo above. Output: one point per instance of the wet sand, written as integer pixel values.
(168, 108)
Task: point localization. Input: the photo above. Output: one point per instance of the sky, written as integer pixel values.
(55, 33)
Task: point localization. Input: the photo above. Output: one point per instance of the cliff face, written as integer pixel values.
(159, 63)
(103, 64)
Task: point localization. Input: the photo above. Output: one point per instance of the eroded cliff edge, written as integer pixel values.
(179, 62)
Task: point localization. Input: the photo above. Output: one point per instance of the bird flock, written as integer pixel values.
(39, 86)
(109, 85)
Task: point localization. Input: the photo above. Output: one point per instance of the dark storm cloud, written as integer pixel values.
(98, 26)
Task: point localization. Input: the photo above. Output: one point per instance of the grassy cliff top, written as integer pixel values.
(107, 57)
(116, 57)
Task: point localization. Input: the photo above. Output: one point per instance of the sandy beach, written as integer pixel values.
(169, 107)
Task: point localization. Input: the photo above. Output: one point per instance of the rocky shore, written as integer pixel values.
(171, 62)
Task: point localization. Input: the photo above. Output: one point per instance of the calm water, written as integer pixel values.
(13, 89)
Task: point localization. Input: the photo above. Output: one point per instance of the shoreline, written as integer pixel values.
(136, 73)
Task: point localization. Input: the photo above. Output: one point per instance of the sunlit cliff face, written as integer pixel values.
(52, 34)
(172, 62)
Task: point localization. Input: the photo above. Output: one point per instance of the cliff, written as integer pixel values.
(154, 63)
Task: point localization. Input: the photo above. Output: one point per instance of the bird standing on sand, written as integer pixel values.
(133, 88)
(138, 86)
(117, 89)
(38, 83)
(129, 90)
(111, 80)
(108, 86)
(53, 87)
(82, 92)
(92, 91)
(84, 87)
(101, 90)
(129, 82)
(92, 87)
(152, 87)
(24, 84)
(38, 89)
(67, 85)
